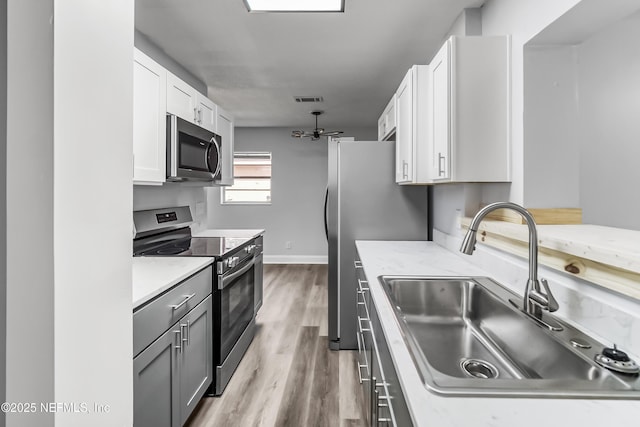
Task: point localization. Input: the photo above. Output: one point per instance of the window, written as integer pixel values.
(252, 179)
(295, 5)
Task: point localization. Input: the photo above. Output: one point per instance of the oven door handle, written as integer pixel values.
(223, 280)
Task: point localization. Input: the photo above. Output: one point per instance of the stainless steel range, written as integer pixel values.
(166, 232)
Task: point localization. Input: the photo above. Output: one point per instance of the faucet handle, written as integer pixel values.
(542, 298)
(552, 304)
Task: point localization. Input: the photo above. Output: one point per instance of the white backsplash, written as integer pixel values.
(171, 195)
(609, 316)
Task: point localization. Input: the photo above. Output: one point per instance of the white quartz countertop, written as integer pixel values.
(242, 233)
(154, 275)
(428, 409)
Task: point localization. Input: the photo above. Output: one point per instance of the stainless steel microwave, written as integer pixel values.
(193, 152)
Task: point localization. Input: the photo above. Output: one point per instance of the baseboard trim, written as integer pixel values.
(295, 259)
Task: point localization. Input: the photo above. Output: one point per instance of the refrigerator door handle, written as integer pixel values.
(326, 202)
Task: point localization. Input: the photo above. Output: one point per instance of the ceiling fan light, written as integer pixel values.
(316, 133)
(294, 5)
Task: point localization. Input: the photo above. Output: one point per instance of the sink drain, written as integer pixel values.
(477, 368)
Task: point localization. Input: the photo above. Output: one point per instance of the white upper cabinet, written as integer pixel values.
(181, 99)
(149, 122)
(440, 114)
(469, 111)
(207, 113)
(387, 121)
(189, 104)
(225, 125)
(412, 127)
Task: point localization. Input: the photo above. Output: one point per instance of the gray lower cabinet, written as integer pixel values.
(376, 371)
(172, 374)
(196, 357)
(155, 373)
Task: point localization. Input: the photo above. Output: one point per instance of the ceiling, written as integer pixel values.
(255, 63)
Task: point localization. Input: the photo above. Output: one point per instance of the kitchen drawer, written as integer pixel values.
(153, 319)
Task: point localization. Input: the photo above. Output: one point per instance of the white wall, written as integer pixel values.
(29, 229)
(299, 179)
(3, 206)
(93, 110)
(522, 20)
(69, 157)
(580, 127)
(609, 125)
(173, 194)
(551, 149)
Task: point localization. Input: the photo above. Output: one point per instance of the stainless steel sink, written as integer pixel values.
(468, 336)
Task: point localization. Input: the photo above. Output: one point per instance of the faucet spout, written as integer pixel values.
(535, 298)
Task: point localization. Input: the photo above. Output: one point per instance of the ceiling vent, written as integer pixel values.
(308, 98)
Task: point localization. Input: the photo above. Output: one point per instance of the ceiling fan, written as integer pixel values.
(317, 132)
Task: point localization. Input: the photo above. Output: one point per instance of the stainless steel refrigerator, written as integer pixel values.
(363, 202)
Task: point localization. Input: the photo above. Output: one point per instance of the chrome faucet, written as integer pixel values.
(535, 300)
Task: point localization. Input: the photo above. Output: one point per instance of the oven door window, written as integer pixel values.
(193, 153)
(236, 310)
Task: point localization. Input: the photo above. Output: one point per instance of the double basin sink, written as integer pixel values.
(468, 336)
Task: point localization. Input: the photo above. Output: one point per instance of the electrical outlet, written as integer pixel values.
(288, 245)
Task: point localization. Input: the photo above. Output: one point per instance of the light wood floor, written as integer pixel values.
(289, 377)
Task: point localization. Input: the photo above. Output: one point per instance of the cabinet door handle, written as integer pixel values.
(178, 339)
(184, 337)
(188, 331)
(357, 264)
(360, 377)
(374, 402)
(405, 170)
(195, 114)
(363, 329)
(183, 302)
(200, 116)
(361, 288)
(440, 167)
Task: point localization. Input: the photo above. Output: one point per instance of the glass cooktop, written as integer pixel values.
(196, 246)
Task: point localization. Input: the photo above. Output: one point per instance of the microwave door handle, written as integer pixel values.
(214, 142)
(173, 145)
(231, 277)
(206, 160)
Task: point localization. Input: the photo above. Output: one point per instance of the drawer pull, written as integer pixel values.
(183, 302)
